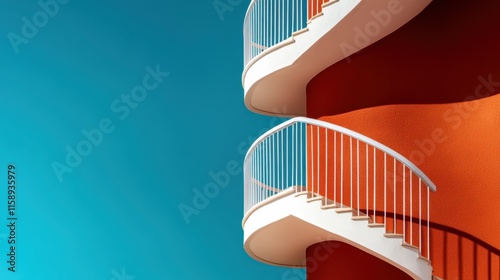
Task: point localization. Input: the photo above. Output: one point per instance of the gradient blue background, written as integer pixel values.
(118, 209)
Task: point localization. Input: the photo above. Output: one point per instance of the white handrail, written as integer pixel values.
(350, 133)
(297, 153)
(270, 22)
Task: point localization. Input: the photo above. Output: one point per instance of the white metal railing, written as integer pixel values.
(348, 170)
(270, 22)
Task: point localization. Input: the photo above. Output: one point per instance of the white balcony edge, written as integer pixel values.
(278, 232)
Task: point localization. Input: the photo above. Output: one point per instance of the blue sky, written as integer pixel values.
(107, 145)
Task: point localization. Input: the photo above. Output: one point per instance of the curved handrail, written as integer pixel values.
(350, 133)
(270, 22)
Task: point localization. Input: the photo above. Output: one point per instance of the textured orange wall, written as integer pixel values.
(464, 164)
(429, 91)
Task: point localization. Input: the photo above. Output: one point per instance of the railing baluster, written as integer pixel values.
(342, 170)
(428, 227)
(312, 158)
(411, 208)
(292, 155)
(366, 180)
(374, 185)
(286, 158)
(385, 188)
(395, 179)
(318, 160)
(326, 164)
(404, 203)
(420, 216)
(350, 172)
(357, 174)
(335, 167)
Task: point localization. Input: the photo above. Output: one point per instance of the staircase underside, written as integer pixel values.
(275, 81)
(279, 230)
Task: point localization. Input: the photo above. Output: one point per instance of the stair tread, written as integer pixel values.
(375, 225)
(393, 235)
(329, 206)
(344, 210)
(361, 218)
(410, 246)
(300, 193)
(326, 4)
(314, 198)
(314, 17)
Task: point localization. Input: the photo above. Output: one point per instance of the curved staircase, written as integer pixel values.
(308, 181)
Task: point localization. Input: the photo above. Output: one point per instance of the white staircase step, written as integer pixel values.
(344, 210)
(376, 225)
(393, 235)
(314, 198)
(361, 218)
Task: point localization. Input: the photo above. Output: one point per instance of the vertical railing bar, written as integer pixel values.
(308, 11)
(297, 154)
(286, 158)
(326, 165)
(299, 16)
(312, 159)
(428, 225)
(420, 216)
(385, 189)
(350, 172)
(281, 154)
(273, 160)
(257, 166)
(275, 29)
(293, 154)
(263, 170)
(271, 23)
(334, 167)
(374, 184)
(278, 23)
(404, 203)
(342, 170)
(366, 180)
(303, 164)
(411, 207)
(357, 174)
(318, 160)
(394, 194)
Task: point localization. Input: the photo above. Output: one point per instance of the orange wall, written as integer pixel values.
(429, 91)
(463, 162)
(435, 58)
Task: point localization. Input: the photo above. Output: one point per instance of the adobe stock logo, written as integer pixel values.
(122, 275)
(39, 19)
(223, 6)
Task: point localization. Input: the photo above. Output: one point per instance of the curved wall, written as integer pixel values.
(445, 54)
(329, 260)
(430, 92)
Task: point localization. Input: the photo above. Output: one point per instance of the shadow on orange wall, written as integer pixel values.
(448, 53)
(460, 153)
(455, 255)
